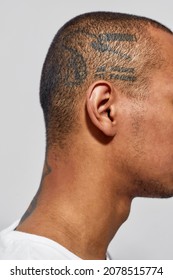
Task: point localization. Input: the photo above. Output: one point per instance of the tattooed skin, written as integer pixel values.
(47, 170)
(102, 72)
(77, 64)
(103, 40)
(76, 68)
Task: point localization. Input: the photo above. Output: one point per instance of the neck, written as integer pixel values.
(77, 207)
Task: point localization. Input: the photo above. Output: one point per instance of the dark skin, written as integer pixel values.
(46, 171)
(87, 188)
(100, 43)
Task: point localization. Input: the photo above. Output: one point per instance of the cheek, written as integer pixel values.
(153, 145)
(145, 139)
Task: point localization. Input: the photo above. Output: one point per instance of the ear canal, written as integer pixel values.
(109, 111)
(109, 114)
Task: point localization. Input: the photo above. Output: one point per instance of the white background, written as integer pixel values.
(26, 30)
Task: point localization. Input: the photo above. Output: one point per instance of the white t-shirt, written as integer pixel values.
(16, 245)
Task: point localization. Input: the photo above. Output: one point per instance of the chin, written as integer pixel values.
(153, 189)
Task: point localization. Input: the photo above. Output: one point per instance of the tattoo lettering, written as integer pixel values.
(124, 73)
(101, 69)
(122, 77)
(123, 69)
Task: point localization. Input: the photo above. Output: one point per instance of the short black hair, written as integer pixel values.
(99, 45)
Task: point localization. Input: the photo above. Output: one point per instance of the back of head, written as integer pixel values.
(108, 46)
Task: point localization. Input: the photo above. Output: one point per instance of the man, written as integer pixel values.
(107, 96)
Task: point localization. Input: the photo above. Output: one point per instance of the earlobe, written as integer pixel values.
(101, 107)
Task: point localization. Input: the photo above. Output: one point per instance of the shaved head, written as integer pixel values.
(107, 95)
(118, 48)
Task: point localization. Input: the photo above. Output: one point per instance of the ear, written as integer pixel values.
(101, 107)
